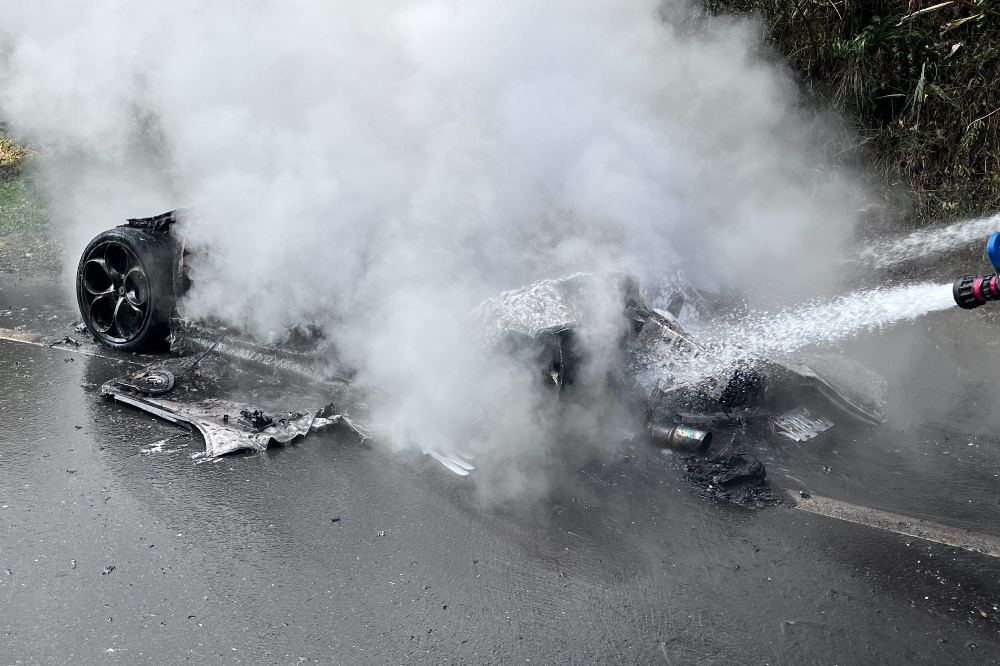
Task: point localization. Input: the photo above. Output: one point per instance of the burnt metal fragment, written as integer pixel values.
(157, 224)
(255, 419)
(151, 381)
(800, 424)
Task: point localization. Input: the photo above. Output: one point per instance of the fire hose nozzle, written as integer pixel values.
(971, 291)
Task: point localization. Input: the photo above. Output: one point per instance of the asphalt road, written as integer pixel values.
(329, 552)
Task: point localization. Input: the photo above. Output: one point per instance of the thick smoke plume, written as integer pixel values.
(382, 167)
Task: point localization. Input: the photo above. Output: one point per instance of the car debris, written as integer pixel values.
(681, 438)
(738, 478)
(205, 417)
(149, 381)
(255, 420)
(691, 394)
(255, 430)
(800, 424)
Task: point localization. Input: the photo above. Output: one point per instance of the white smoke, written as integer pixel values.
(381, 167)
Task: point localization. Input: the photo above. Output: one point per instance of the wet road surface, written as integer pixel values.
(333, 553)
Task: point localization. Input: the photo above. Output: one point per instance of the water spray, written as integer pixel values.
(971, 291)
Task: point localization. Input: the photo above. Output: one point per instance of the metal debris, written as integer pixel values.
(256, 419)
(150, 381)
(680, 438)
(800, 424)
(254, 431)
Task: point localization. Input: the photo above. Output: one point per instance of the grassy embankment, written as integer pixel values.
(22, 206)
(919, 79)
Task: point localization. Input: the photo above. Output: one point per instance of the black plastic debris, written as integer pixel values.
(157, 224)
(734, 478)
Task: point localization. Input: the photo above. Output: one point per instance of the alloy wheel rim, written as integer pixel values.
(115, 292)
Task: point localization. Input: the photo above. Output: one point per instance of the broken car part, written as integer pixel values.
(151, 381)
(314, 359)
(800, 424)
(734, 478)
(254, 429)
(207, 417)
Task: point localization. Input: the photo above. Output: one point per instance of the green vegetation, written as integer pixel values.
(22, 203)
(921, 82)
(22, 207)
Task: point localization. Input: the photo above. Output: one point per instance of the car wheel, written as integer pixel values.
(124, 286)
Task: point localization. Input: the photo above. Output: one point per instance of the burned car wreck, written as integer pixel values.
(685, 395)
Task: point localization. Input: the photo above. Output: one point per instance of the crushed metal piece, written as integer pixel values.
(800, 424)
(255, 419)
(151, 381)
(221, 435)
(220, 438)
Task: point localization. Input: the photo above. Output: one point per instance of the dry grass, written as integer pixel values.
(920, 80)
(13, 154)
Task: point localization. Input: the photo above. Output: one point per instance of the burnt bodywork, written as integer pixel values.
(575, 330)
(678, 381)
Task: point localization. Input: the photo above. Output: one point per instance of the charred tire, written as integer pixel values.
(124, 287)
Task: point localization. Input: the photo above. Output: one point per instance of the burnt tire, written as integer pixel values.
(124, 287)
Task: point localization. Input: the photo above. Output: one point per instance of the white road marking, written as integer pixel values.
(24, 337)
(897, 523)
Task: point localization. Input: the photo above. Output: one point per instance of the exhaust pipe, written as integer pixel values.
(680, 438)
(971, 291)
